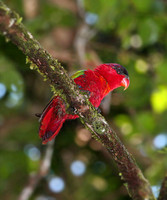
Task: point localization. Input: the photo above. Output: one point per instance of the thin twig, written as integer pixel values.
(83, 35)
(34, 179)
(163, 190)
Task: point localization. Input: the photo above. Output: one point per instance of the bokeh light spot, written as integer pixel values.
(160, 141)
(136, 41)
(126, 128)
(13, 87)
(32, 152)
(83, 136)
(155, 190)
(91, 18)
(56, 184)
(13, 99)
(2, 90)
(99, 183)
(159, 99)
(78, 168)
(141, 66)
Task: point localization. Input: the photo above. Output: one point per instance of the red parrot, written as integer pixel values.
(97, 83)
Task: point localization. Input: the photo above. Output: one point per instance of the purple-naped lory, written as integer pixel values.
(97, 83)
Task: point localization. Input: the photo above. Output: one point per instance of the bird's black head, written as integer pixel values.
(120, 69)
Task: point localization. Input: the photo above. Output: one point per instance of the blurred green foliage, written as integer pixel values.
(132, 33)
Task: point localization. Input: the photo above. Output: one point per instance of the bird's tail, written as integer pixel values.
(52, 119)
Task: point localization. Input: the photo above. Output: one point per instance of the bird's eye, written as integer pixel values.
(119, 71)
(118, 68)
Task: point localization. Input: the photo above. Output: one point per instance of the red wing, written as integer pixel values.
(89, 82)
(52, 119)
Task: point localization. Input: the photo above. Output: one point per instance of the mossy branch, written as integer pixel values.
(12, 28)
(163, 191)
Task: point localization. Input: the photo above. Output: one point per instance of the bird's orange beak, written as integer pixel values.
(125, 82)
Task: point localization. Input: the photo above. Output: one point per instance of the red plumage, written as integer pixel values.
(97, 83)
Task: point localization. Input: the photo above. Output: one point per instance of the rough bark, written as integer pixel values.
(163, 190)
(12, 28)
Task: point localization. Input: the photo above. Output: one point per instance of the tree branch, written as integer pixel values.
(163, 190)
(12, 28)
